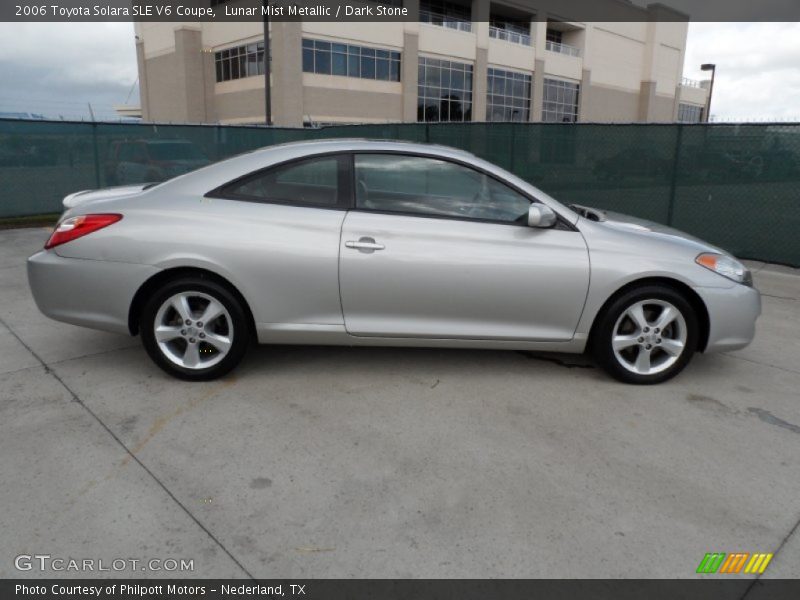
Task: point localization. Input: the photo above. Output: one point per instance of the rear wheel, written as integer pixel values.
(647, 335)
(194, 329)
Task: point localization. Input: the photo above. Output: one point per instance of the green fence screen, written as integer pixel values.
(736, 186)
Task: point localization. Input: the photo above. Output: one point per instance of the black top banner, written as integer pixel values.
(390, 10)
(413, 589)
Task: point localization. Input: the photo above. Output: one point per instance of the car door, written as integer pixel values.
(278, 231)
(437, 249)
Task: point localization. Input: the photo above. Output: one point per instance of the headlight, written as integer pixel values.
(727, 266)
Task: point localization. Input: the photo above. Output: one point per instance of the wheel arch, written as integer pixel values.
(162, 277)
(700, 309)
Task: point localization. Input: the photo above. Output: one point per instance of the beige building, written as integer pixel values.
(454, 61)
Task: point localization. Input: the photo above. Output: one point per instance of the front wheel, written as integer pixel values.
(647, 335)
(194, 329)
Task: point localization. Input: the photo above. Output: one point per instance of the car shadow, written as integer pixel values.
(391, 359)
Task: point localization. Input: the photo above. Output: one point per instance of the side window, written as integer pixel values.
(314, 182)
(429, 186)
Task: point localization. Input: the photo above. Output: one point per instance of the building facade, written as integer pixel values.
(453, 61)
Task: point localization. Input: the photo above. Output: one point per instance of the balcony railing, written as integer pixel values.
(562, 48)
(510, 36)
(693, 83)
(432, 18)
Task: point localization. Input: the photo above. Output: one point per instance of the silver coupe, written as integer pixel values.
(355, 242)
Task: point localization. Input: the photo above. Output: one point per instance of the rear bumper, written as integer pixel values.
(732, 314)
(90, 293)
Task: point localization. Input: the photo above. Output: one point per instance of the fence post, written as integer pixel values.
(674, 179)
(96, 155)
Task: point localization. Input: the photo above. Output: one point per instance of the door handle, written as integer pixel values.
(364, 244)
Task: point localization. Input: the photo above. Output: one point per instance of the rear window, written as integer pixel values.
(313, 182)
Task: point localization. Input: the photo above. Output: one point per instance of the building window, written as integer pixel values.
(508, 96)
(689, 113)
(346, 60)
(240, 62)
(446, 14)
(555, 36)
(445, 90)
(560, 101)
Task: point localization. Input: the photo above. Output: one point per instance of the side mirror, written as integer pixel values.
(541, 216)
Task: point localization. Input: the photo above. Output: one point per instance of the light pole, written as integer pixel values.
(267, 69)
(713, 68)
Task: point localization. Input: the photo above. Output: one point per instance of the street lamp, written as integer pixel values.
(713, 68)
(267, 67)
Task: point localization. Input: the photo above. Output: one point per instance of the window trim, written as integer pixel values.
(346, 199)
(345, 196)
(561, 222)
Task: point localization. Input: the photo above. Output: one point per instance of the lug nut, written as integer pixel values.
(188, 322)
(648, 346)
(656, 330)
(191, 340)
(658, 341)
(202, 335)
(641, 339)
(183, 332)
(646, 329)
(199, 323)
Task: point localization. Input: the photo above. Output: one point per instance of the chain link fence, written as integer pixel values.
(734, 185)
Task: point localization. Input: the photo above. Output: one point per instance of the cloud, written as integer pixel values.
(757, 68)
(58, 68)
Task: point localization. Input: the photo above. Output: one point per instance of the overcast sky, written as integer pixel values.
(57, 68)
(758, 68)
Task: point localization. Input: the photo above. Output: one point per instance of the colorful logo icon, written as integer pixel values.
(735, 562)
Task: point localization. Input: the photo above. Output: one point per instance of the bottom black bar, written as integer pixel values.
(396, 589)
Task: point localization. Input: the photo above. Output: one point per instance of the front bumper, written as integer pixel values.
(732, 314)
(91, 293)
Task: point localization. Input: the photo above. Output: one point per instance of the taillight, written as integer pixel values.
(75, 227)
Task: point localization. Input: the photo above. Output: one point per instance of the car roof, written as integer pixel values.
(217, 174)
(355, 144)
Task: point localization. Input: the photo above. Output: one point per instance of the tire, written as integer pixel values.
(645, 336)
(197, 350)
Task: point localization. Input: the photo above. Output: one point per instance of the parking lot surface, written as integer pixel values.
(362, 462)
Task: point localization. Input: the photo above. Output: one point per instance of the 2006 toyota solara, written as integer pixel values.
(356, 242)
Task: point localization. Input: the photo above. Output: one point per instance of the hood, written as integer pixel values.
(628, 223)
(86, 196)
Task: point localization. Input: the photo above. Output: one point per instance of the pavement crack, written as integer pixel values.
(784, 541)
(92, 355)
(758, 362)
(127, 450)
(781, 297)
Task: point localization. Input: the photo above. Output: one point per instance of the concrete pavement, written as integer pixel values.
(342, 462)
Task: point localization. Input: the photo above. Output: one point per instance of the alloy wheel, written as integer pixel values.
(193, 330)
(649, 337)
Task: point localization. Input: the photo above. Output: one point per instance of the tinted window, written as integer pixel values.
(314, 181)
(429, 186)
